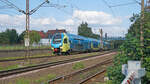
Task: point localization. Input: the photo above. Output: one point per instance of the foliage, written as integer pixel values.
(78, 65)
(21, 37)
(22, 81)
(4, 38)
(131, 50)
(86, 31)
(10, 36)
(44, 79)
(34, 37)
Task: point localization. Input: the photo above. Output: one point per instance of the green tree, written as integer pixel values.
(12, 36)
(34, 37)
(4, 38)
(130, 50)
(86, 31)
(21, 37)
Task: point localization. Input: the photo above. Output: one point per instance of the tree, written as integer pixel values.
(34, 37)
(21, 37)
(130, 50)
(4, 38)
(86, 31)
(12, 36)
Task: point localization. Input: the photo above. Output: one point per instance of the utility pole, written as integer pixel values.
(101, 37)
(141, 27)
(27, 29)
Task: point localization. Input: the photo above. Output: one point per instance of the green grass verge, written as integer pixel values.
(21, 47)
(78, 65)
(44, 80)
(21, 57)
(40, 80)
(9, 67)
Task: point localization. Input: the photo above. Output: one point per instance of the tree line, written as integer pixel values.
(11, 37)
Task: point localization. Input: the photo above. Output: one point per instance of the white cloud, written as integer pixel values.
(107, 21)
(95, 17)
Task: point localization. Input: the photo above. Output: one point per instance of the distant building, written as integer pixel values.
(46, 37)
(50, 33)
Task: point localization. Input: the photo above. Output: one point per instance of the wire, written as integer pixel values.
(137, 2)
(109, 7)
(11, 5)
(124, 4)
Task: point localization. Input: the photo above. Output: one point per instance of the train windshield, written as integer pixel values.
(57, 38)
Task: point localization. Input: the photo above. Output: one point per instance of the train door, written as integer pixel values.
(66, 45)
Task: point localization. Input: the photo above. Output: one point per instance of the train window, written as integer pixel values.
(57, 38)
(65, 40)
(69, 41)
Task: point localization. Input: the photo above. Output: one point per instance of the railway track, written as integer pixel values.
(94, 76)
(6, 60)
(36, 67)
(75, 77)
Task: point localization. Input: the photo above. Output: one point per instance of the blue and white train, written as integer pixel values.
(66, 43)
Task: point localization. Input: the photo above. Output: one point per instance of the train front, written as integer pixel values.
(57, 42)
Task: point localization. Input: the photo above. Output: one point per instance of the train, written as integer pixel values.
(65, 43)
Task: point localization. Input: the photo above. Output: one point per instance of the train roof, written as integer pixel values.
(81, 37)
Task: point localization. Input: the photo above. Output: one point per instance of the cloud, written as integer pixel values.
(95, 19)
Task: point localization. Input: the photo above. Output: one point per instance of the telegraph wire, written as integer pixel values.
(124, 4)
(109, 7)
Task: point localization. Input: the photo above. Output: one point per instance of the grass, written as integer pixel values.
(9, 67)
(41, 80)
(34, 56)
(14, 66)
(23, 81)
(21, 47)
(78, 65)
(107, 82)
(44, 80)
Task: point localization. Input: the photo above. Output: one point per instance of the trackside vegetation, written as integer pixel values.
(11, 40)
(131, 50)
(78, 65)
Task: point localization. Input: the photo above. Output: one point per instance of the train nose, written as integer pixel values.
(55, 49)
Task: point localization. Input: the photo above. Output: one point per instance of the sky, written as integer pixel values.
(97, 13)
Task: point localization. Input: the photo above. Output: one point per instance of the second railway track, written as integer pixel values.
(81, 76)
(30, 68)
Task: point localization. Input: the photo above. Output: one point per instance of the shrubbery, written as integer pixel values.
(131, 50)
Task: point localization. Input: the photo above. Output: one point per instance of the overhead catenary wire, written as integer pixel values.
(11, 5)
(105, 2)
(123, 4)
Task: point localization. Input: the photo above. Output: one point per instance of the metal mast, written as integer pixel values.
(27, 26)
(101, 37)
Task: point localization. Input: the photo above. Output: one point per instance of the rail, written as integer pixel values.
(6, 60)
(35, 67)
(69, 76)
